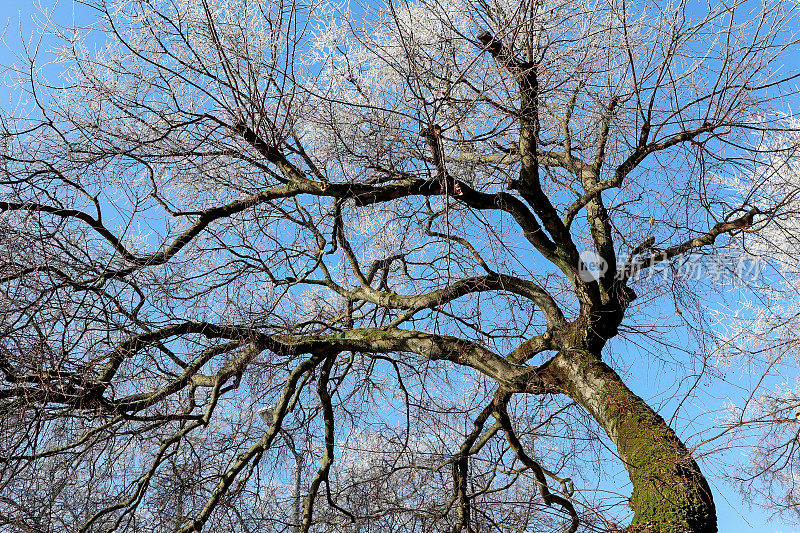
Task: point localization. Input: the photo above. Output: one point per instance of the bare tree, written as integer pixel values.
(417, 235)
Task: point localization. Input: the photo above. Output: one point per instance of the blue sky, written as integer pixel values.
(18, 20)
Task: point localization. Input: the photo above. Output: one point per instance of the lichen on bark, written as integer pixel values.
(670, 494)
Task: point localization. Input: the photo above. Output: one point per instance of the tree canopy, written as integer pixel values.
(319, 266)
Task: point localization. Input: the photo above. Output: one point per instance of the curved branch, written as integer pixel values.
(720, 228)
(633, 160)
(489, 282)
(549, 498)
(257, 449)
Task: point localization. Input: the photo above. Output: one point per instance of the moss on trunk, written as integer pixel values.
(670, 493)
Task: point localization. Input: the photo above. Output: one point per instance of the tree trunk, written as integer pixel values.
(670, 493)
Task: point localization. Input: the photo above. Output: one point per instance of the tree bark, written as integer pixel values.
(670, 494)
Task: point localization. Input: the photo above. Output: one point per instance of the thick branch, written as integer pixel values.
(489, 282)
(705, 239)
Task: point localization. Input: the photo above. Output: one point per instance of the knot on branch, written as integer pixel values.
(434, 131)
(489, 43)
(524, 71)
